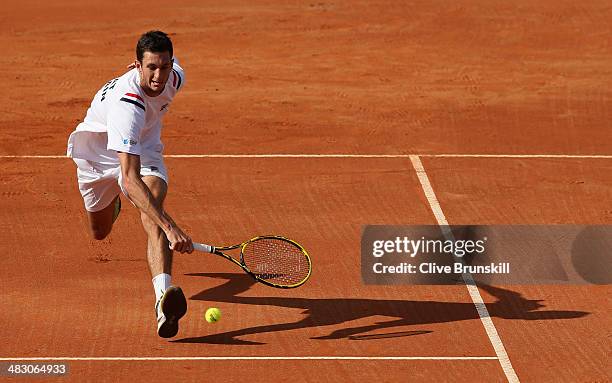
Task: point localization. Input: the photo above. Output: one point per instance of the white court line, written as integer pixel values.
(576, 156)
(38, 157)
(483, 313)
(340, 155)
(162, 358)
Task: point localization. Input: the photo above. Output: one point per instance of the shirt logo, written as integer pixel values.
(127, 141)
(163, 107)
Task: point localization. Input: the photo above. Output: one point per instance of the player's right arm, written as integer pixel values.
(125, 122)
(140, 195)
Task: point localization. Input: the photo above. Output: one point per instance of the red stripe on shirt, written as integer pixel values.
(134, 95)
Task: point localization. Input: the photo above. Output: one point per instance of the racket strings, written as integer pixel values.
(276, 261)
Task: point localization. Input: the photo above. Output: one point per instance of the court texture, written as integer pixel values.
(311, 119)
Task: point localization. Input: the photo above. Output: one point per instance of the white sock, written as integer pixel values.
(160, 283)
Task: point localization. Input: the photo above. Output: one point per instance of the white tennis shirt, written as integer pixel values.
(123, 118)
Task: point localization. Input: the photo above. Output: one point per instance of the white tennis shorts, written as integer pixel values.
(100, 183)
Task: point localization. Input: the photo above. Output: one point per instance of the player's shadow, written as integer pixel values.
(335, 311)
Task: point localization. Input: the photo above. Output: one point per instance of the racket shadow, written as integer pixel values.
(321, 312)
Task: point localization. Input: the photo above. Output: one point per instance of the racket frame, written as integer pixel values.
(220, 252)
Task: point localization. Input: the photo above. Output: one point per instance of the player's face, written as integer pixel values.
(154, 71)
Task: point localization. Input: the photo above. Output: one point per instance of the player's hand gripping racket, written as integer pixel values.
(270, 259)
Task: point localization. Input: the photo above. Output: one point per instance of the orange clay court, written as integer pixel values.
(311, 119)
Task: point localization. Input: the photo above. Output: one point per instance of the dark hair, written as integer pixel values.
(153, 41)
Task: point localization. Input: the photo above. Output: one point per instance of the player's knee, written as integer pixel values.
(99, 233)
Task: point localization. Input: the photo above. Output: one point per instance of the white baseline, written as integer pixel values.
(340, 155)
(187, 358)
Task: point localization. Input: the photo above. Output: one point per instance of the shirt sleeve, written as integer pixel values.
(126, 120)
(177, 78)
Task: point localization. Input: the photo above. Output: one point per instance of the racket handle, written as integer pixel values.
(204, 248)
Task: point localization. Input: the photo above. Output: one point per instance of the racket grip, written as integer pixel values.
(204, 248)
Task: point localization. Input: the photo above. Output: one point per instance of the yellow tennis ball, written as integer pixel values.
(213, 315)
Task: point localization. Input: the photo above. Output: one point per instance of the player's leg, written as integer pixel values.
(100, 192)
(101, 222)
(171, 304)
(159, 255)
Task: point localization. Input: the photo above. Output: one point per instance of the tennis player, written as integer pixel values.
(118, 149)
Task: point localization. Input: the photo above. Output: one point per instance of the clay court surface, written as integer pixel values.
(357, 94)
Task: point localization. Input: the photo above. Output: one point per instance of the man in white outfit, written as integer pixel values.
(118, 148)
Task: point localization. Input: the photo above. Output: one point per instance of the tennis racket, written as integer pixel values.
(271, 259)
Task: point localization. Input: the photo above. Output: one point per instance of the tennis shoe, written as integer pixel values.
(171, 307)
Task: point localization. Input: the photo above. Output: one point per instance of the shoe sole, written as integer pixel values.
(174, 307)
